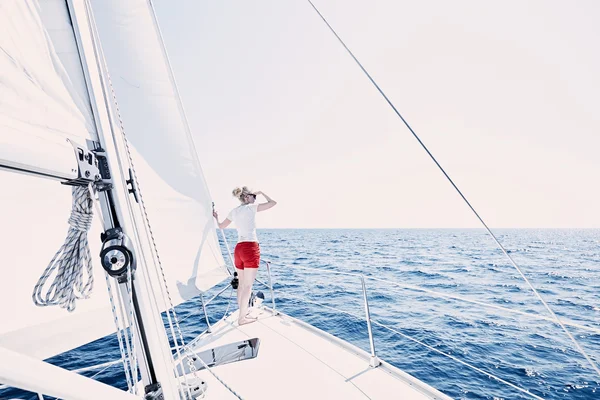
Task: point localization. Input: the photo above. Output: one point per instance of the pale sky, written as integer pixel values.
(505, 94)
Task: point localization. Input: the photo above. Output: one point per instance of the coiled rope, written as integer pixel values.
(72, 263)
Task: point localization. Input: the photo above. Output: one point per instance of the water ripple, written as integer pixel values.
(533, 354)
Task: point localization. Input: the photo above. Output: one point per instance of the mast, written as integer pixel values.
(93, 164)
(126, 46)
(102, 162)
(120, 215)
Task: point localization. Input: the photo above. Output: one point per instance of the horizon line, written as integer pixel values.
(438, 228)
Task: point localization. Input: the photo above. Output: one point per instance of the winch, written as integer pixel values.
(116, 254)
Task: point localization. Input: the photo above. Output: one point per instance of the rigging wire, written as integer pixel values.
(114, 111)
(126, 343)
(514, 264)
(361, 318)
(226, 244)
(121, 337)
(435, 293)
(173, 320)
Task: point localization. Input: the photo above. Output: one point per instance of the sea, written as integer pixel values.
(447, 306)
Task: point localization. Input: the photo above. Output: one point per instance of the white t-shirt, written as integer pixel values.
(244, 218)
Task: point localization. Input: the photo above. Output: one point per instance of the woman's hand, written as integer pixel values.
(216, 215)
(258, 192)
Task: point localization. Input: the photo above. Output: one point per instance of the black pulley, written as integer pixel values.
(116, 255)
(235, 281)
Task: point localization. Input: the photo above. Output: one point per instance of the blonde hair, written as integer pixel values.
(240, 193)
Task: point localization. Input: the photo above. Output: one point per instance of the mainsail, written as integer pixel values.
(175, 197)
(43, 102)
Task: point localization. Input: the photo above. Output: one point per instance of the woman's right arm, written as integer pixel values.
(265, 206)
(224, 224)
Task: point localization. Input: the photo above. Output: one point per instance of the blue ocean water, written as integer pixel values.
(533, 354)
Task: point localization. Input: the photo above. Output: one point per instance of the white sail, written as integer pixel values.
(175, 195)
(40, 101)
(43, 102)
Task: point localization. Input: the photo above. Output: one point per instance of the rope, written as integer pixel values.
(458, 360)
(226, 245)
(71, 260)
(209, 369)
(121, 337)
(228, 304)
(104, 365)
(133, 361)
(228, 250)
(173, 322)
(126, 345)
(558, 321)
(174, 328)
(115, 109)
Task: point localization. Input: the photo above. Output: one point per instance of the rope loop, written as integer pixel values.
(71, 266)
(80, 221)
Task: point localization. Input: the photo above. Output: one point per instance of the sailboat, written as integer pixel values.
(91, 120)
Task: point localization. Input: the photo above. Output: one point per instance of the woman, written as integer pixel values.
(247, 250)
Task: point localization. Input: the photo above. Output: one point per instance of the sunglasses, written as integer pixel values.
(253, 195)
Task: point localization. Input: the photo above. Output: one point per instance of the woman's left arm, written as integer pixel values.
(265, 206)
(224, 224)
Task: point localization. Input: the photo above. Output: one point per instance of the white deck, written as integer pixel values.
(298, 361)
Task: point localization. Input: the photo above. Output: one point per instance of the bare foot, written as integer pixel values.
(245, 320)
(249, 316)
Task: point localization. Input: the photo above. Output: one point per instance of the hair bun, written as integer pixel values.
(237, 192)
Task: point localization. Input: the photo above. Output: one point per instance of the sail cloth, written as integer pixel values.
(43, 102)
(174, 192)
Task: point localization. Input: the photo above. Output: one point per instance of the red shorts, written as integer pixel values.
(247, 255)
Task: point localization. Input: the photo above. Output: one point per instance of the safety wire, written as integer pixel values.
(359, 317)
(556, 318)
